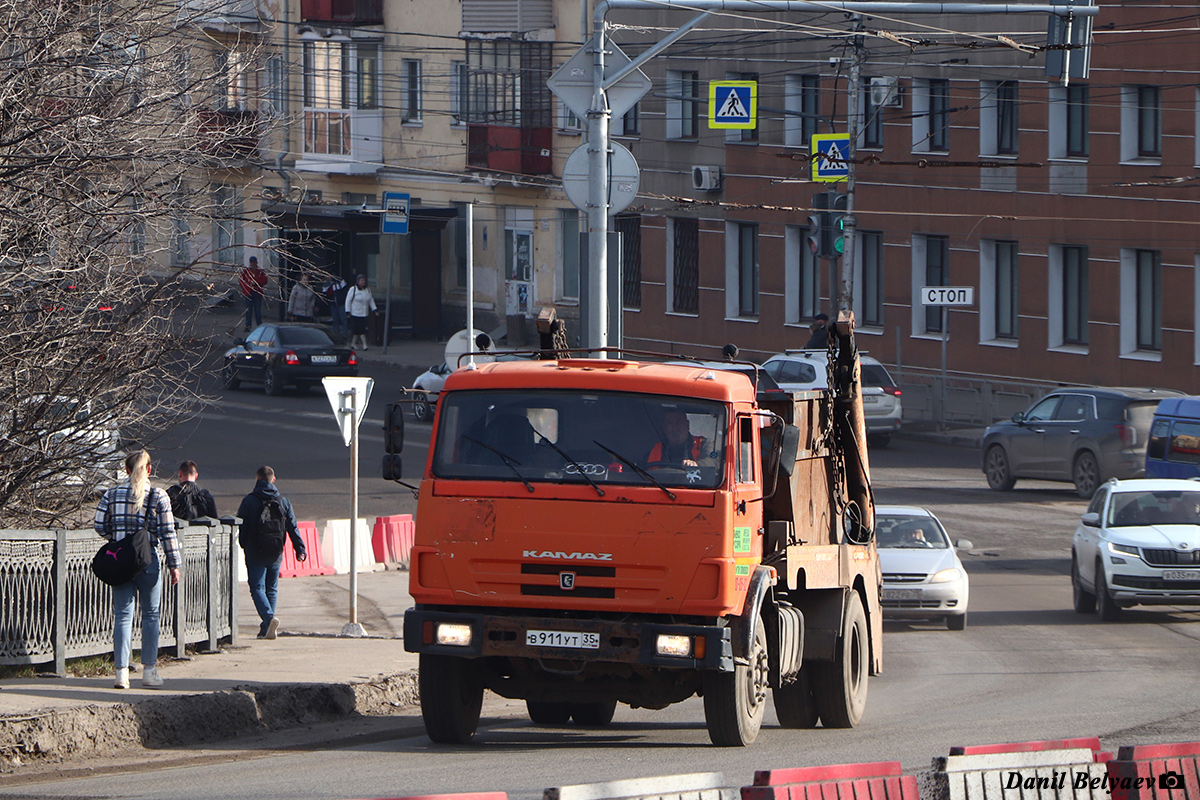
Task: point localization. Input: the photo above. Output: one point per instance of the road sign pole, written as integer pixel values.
(945, 339)
(353, 628)
(849, 232)
(597, 212)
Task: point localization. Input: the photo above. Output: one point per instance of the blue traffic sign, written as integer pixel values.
(830, 157)
(395, 212)
(732, 104)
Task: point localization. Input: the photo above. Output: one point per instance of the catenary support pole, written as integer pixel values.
(469, 221)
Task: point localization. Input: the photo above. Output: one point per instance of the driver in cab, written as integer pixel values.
(679, 448)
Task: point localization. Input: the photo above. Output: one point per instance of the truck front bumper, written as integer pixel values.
(573, 640)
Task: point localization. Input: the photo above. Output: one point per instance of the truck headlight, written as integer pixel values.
(946, 575)
(453, 633)
(673, 645)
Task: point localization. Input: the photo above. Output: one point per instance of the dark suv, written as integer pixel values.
(1085, 436)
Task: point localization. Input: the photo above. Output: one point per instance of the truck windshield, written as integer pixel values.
(571, 436)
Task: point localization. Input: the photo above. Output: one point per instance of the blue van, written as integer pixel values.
(1174, 447)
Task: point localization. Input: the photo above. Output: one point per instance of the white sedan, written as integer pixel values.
(923, 577)
(1137, 544)
(426, 387)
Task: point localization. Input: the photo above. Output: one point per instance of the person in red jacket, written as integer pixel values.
(679, 448)
(253, 282)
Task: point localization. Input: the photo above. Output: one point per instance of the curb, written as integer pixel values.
(58, 735)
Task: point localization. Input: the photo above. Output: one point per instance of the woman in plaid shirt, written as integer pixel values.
(120, 514)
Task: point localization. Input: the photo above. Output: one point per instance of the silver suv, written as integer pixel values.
(804, 370)
(1085, 436)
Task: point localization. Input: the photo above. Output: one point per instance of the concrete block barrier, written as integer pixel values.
(1157, 772)
(880, 780)
(392, 538)
(1062, 769)
(335, 546)
(314, 564)
(694, 786)
(463, 796)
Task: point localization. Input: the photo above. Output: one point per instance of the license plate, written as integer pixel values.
(870, 400)
(570, 639)
(901, 594)
(324, 359)
(1180, 575)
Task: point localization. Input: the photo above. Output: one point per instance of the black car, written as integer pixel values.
(287, 355)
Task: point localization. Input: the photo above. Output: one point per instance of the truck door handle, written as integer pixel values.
(741, 507)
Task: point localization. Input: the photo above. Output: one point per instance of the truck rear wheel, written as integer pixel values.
(840, 686)
(594, 715)
(451, 697)
(548, 713)
(734, 701)
(794, 705)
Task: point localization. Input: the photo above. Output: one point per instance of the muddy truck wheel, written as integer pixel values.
(840, 686)
(734, 701)
(451, 692)
(794, 704)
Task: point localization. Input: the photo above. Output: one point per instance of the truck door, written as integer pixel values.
(747, 500)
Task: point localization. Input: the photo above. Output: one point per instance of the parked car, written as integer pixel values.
(297, 355)
(1085, 436)
(923, 577)
(1173, 450)
(805, 370)
(1137, 544)
(764, 384)
(429, 385)
(68, 428)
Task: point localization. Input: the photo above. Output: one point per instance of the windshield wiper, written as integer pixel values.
(635, 468)
(509, 461)
(571, 461)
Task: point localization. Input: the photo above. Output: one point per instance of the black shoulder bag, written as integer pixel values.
(119, 561)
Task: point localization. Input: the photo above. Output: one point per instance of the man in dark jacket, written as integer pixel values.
(188, 500)
(266, 516)
(820, 333)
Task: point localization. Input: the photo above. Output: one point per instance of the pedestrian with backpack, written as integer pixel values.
(267, 521)
(188, 500)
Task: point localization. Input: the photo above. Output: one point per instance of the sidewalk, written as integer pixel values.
(63, 717)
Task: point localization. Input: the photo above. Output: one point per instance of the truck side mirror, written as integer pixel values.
(391, 467)
(780, 444)
(393, 429)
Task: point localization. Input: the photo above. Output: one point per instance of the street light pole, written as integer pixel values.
(846, 298)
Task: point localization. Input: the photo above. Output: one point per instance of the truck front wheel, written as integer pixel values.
(840, 686)
(451, 697)
(734, 701)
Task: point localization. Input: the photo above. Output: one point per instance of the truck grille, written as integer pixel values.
(578, 589)
(1171, 558)
(915, 603)
(904, 577)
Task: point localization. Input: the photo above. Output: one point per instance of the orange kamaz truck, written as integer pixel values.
(600, 531)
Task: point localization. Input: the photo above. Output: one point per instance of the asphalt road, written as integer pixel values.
(1027, 667)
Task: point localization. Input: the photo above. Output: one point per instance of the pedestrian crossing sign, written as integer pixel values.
(732, 104)
(830, 157)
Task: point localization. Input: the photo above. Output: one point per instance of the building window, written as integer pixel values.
(685, 265)
(742, 134)
(410, 92)
(518, 255)
(506, 82)
(630, 122)
(747, 269)
(458, 92)
(630, 228)
(338, 76)
(1007, 125)
(567, 121)
(1005, 289)
(1148, 277)
(937, 273)
(871, 133)
(939, 115)
(802, 104)
(810, 282)
(1074, 295)
(366, 72)
(227, 225)
(871, 244)
(274, 98)
(683, 104)
(1149, 125)
(1077, 120)
(568, 226)
(229, 80)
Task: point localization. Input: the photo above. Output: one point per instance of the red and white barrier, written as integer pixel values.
(1157, 771)
(463, 796)
(881, 780)
(392, 538)
(314, 564)
(1060, 768)
(335, 546)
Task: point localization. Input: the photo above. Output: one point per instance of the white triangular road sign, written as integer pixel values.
(348, 397)
(732, 107)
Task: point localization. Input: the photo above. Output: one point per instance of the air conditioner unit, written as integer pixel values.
(706, 179)
(885, 92)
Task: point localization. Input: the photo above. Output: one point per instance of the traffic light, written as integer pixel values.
(818, 225)
(837, 224)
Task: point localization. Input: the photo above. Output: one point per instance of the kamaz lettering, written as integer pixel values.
(560, 555)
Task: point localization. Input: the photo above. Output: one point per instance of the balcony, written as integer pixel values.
(224, 15)
(228, 134)
(506, 148)
(342, 12)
